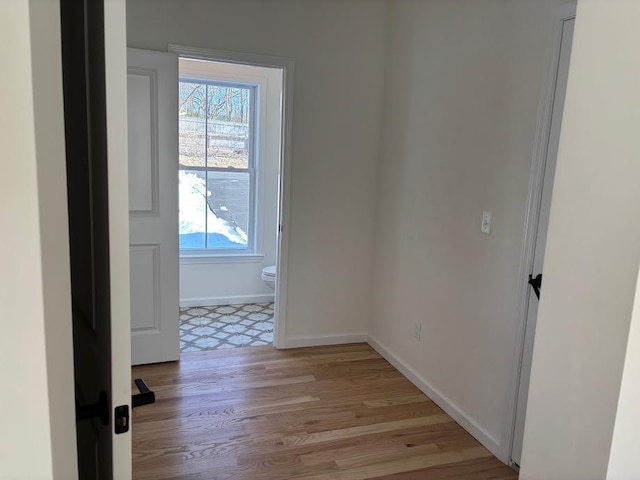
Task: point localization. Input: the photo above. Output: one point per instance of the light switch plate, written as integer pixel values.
(486, 222)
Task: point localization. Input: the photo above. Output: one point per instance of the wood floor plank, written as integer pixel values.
(311, 438)
(339, 412)
(478, 469)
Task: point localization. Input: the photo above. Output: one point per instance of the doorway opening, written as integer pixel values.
(208, 157)
(229, 149)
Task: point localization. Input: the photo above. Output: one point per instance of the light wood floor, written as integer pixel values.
(338, 412)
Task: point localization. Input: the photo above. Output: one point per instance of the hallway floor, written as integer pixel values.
(339, 412)
(226, 326)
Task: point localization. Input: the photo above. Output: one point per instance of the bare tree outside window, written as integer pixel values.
(217, 118)
(215, 164)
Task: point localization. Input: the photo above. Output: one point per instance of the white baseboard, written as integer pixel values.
(321, 340)
(232, 300)
(439, 399)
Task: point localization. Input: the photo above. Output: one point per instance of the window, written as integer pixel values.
(216, 166)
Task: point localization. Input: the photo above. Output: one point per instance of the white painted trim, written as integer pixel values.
(536, 178)
(323, 340)
(287, 66)
(232, 300)
(257, 84)
(115, 47)
(198, 259)
(454, 411)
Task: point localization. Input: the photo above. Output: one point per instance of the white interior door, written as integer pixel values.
(541, 235)
(152, 90)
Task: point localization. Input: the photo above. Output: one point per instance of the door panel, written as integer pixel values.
(94, 87)
(87, 194)
(145, 288)
(143, 159)
(153, 205)
(541, 234)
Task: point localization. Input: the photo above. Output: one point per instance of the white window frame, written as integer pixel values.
(253, 252)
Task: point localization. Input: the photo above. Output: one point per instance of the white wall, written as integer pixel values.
(462, 92)
(37, 438)
(593, 253)
(203, 283)
(337, 47)
(623, 460)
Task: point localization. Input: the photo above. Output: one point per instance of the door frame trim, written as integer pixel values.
(560, 15)
(287, 66)
(115, 45)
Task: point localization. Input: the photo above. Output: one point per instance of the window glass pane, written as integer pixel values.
(228, 202)
(214, 132)
(192, 99)
(221, 210)
(193, 209)
(228, 114)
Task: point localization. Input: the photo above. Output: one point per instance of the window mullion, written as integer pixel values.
(214, 169)
(206, 164)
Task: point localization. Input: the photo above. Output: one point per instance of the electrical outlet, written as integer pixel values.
(486, 222)
(417, 331)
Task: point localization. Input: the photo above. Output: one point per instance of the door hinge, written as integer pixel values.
(121, 419)
(536, 284)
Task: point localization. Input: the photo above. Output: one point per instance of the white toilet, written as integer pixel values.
(269, 276)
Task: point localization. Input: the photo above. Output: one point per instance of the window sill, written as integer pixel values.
(200, 258)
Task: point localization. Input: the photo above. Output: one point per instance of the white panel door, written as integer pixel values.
(562, 76)
(152, 84)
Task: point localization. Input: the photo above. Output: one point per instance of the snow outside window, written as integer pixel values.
(216, 166)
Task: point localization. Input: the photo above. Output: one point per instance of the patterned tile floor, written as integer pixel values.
(225, 326)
